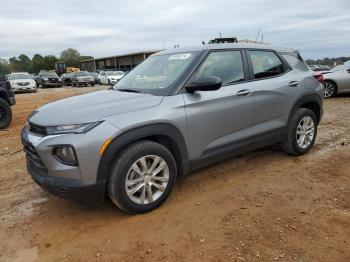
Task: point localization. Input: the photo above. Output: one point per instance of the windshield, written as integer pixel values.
(21, 76)
(50, 74)
(157, 73)
(82, 74)
(116, 73)
(337, 68)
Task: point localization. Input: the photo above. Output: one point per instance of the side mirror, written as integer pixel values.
(204, 83)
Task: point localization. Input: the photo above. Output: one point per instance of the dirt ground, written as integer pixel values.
(262, 206)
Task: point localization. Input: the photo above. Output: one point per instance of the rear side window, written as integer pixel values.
(296, 62)
(227, 65)
(265, 64)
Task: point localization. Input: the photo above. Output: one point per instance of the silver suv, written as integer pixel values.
(178, 111)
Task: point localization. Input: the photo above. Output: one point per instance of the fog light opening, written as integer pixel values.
(66, 155)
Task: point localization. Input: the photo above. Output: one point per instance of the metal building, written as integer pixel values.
(124, 62)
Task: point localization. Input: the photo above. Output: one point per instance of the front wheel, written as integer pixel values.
(302, 132)
(142, 177)
(5, 114)
(329, 89)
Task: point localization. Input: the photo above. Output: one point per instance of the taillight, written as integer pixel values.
(319, 77)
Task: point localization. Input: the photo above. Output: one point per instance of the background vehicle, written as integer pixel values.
(177, 111)
(21, 82)
(82, 78)
(7, 99)
(95, 76)
(47, 79)
(336, 81)
(109, 77)
(66, 79)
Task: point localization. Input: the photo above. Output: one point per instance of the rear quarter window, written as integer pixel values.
(266, 64)
(296, 63)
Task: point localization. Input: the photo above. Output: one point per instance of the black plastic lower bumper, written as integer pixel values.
(68, 188)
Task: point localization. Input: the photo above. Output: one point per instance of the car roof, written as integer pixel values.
(15, 73)
(226, 46)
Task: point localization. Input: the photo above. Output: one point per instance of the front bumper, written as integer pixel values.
(67, 188)
(23, 88)
(12, 100)
(77, 183)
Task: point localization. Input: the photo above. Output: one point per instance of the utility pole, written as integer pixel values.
(163, 43)
(257, 36)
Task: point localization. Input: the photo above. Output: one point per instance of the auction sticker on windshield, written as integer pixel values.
(179, 56)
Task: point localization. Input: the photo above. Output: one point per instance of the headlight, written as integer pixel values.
(71, 129)
(66, 155)
(46, 79)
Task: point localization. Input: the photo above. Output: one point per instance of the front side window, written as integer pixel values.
(265, 64)
(227, 65)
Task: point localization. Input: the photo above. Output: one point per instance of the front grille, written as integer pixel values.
(53, 80)
(39, 130)
(23, 84)
(32, 155)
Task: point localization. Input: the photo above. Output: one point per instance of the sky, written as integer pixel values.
(317, 28)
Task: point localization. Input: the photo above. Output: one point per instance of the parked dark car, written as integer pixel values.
(94, 75)
(47, 79)
(66, 79)
(7, 99)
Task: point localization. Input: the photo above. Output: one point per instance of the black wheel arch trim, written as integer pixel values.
(139, 133)
(309, 98)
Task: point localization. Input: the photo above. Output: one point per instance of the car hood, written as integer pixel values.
(91, 107)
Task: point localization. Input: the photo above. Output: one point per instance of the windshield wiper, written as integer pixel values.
(130, 90)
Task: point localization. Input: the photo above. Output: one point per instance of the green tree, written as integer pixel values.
(49, 62)
(24, 63)
(71, 57)
(4, 68)
(37, 64)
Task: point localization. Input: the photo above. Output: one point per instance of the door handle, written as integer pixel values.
(293, 83)
(244, 92)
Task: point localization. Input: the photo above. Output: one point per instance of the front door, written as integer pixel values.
(220, 121)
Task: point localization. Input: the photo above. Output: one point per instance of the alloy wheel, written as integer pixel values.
(147, 179)
(329, 90)
(305, 132)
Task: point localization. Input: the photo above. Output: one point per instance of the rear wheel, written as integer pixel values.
(302, 132)
(142, 177)
(329, 89)
(5, 114)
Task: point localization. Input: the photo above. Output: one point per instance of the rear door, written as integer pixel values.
(276, 87)
(220, 121)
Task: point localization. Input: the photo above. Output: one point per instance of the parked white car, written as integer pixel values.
(109, 77)
(21, 82)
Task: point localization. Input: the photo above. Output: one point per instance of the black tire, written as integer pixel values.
(109, 82)
(5, 114)
(93, 84)
(99, 81)
(290, 145)
(119, 171)
(330, 89)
